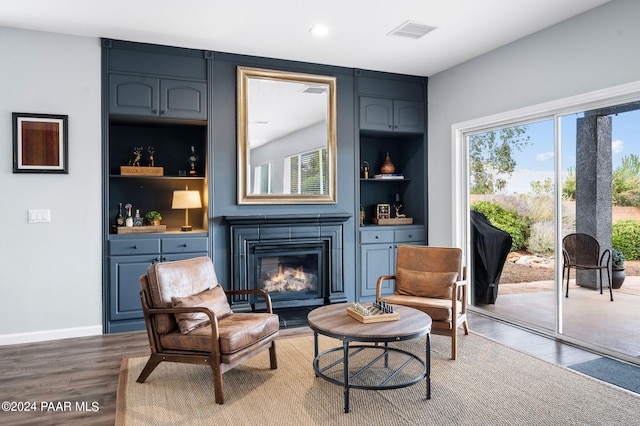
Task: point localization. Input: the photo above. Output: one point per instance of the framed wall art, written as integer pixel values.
(40, 143)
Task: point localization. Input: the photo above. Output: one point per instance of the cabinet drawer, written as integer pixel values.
(370, 237)
(409, 235)
(132, 247)
(184, 245)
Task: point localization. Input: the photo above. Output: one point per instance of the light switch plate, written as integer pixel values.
(39, 216)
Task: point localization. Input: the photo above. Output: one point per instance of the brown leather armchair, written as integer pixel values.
(431, 279)
(189, 320)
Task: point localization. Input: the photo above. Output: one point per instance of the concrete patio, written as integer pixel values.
(588, 315)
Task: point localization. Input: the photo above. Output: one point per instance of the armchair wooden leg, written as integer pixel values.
(272, 356)
(151, 364)
(454, 344)
(465, 325)
(217, 384)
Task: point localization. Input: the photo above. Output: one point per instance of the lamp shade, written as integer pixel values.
(185, 199)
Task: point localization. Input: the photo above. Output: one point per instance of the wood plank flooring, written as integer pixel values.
(81, 371)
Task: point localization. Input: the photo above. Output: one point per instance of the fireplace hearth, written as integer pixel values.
(297, 259)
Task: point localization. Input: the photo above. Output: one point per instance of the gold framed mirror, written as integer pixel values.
(286, 137)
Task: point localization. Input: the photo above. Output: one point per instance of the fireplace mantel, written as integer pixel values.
(288, 219)
(247, 232)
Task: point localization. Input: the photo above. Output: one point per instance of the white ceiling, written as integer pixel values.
(280, 28)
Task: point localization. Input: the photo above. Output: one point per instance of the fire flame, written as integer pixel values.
(286, 281)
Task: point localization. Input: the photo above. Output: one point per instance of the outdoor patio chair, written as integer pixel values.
(582, 252)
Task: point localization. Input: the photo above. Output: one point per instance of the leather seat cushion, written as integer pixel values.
(236, 331)
(437, 309)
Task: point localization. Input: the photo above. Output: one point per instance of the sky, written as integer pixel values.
(536, 161)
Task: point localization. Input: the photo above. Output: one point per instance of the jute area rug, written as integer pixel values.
(489, 384)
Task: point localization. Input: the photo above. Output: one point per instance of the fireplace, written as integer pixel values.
(292, 274)
(297, 259)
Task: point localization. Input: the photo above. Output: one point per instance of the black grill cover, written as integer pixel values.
(490, 247)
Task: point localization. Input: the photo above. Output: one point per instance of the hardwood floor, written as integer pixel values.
(84, 371)
(81, 371)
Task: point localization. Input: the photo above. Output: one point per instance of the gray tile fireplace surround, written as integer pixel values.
(287, 234)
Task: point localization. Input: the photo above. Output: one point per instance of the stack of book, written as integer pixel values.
(389, 176)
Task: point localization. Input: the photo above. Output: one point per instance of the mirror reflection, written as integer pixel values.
(286, 137)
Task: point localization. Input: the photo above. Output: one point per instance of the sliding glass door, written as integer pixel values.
(511, 190)
(534, 182)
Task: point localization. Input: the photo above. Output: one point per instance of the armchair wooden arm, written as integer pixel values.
(264, 294)
(379, 284)
(150, 312)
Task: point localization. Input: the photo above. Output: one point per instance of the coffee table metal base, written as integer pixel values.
(393, 378)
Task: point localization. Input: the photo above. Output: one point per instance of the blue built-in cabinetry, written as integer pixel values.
(180, 103)
(392, 120)
(135, 95)
(156, 101)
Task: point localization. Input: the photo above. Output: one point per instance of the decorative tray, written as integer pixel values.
(141, 229)
(394, 221)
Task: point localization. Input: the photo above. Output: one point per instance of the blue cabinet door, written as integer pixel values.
(408, 116)
(133, 95)
(183, 99)
(376, 114)
(124, 288)
(377, 260)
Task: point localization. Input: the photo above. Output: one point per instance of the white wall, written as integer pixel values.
(595, 50)
(51, 273)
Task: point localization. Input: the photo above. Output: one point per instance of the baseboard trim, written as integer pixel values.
(42, 336)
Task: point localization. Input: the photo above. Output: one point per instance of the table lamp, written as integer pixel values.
(185, 199)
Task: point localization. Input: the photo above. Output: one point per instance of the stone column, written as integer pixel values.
(593, 185)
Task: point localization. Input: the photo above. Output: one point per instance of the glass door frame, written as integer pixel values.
(553, 110)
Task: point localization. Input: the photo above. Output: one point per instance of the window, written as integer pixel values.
(262, 178)
(306, 173)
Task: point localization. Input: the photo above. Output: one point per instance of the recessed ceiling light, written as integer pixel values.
(319, 30)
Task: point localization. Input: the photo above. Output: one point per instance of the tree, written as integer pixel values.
(569, 185)
(542, 188)
(491, 156)
(625, 183)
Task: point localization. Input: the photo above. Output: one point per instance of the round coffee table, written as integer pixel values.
(333, 321)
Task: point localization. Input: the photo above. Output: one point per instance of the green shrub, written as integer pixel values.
(617, 259)
(626, 238)
(506, 220)
(541, 240)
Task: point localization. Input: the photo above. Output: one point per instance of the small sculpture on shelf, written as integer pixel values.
(151, 150)
(193, 161)
(137, 152)
(365, 170)
(398, 206)
(387, 167)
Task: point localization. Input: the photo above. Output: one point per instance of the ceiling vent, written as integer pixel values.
(412, 30)
(315, 90)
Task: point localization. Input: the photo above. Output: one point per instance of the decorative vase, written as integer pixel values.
(617, 278)
(387, 166)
